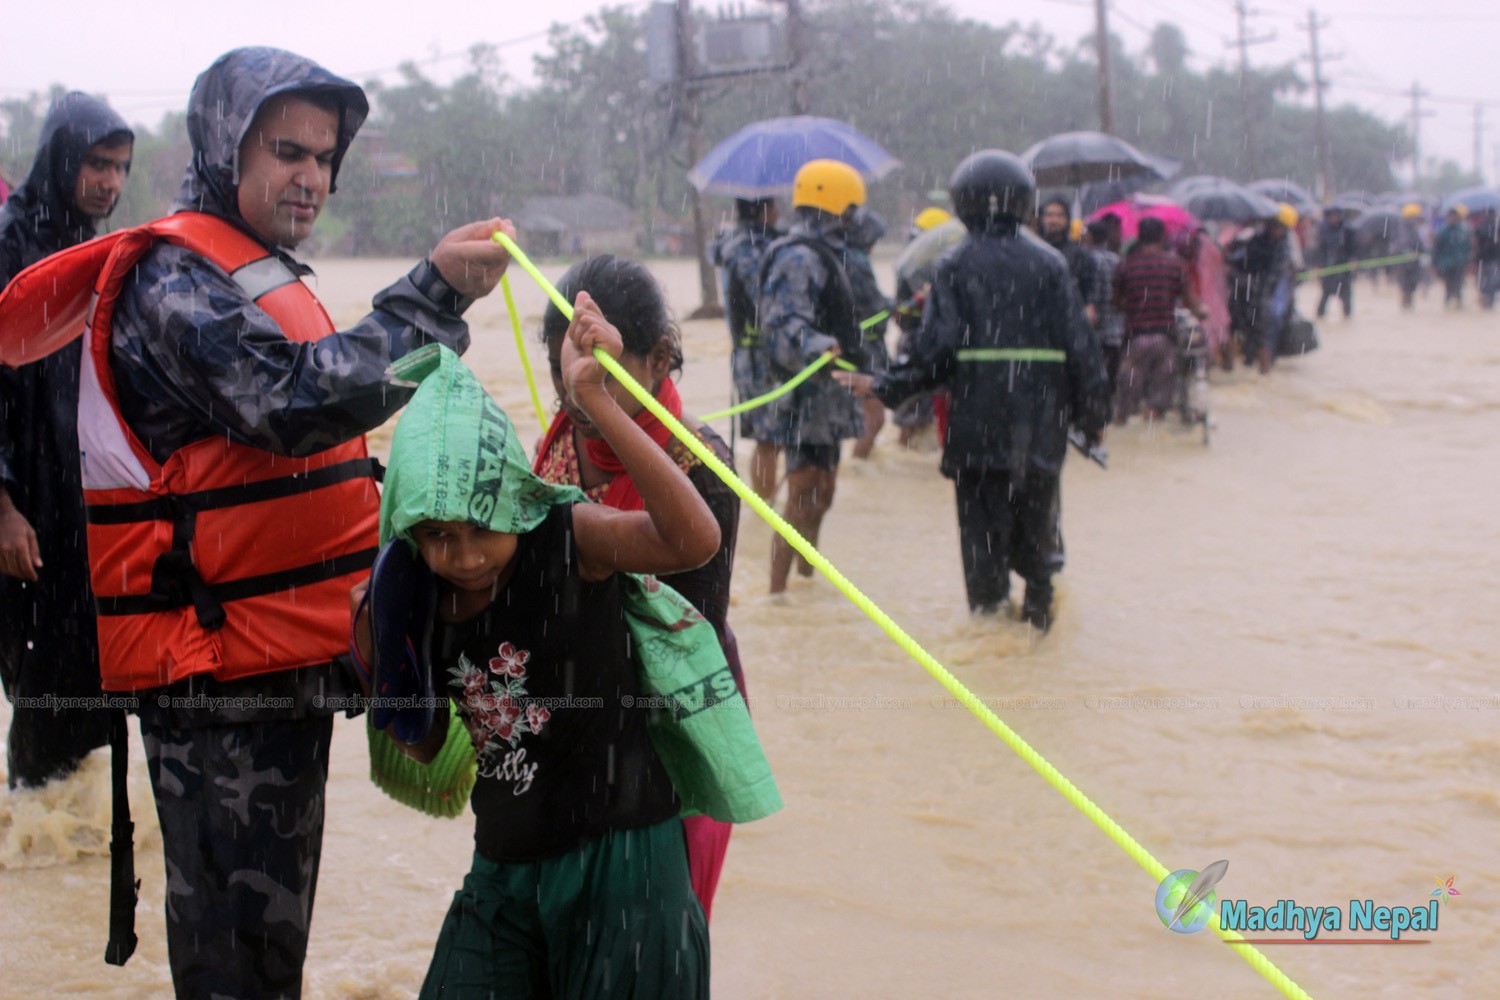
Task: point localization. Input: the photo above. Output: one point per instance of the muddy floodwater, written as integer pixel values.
(1279, 650)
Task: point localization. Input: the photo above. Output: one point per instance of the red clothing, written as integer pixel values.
(1148, 285)
(557, 461)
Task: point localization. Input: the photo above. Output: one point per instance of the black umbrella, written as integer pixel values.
(1351, 208)
(1185, 184)
(1378, 224)
(1281, 189)
(1092, 197)
(1223, 200)
(1076, 158)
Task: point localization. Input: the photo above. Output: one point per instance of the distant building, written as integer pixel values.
(576, 225)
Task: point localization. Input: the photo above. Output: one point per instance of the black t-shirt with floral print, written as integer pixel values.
(545, 685)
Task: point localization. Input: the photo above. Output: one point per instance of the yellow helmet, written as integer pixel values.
(1411, 210)
(1287, 215)
(930, 218)
(828, 184)
(1461, 209)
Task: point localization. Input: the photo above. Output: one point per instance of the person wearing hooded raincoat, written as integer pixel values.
(48, 648)
(237, 744)
(1004, 329)
(737, 253)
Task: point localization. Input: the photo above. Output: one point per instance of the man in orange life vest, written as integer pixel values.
(231, 505)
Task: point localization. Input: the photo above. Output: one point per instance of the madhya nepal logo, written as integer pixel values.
(1185, 902)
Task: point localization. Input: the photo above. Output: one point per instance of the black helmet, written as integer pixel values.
(989, 183)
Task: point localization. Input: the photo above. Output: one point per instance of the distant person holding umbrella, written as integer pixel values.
(807, 307)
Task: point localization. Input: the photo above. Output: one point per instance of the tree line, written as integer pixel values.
(927, 85)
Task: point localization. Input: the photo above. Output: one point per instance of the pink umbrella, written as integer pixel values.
(1179, 221)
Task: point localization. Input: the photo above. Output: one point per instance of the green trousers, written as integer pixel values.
(615, 918)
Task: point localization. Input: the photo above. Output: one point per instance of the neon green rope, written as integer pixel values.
(780, 390)
(1117, 833)
(870, 321)
(1357, 265)
(1011, 354)
(515, 323)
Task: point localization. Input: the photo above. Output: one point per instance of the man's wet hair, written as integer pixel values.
(1151, 230)
(751, 209)
(1098, 231)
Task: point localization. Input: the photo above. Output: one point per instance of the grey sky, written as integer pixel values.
(145, 56)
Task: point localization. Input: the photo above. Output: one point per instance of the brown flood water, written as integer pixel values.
(1275, 650)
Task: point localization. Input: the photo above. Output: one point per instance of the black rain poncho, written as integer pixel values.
(47, 645)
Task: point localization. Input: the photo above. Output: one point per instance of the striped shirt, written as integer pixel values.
(1148, 285)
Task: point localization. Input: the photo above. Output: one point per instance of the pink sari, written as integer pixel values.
(1211, 282)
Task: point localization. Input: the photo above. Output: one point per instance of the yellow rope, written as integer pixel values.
(967, 698)
(515, 324)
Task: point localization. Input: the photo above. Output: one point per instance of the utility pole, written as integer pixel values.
(1325, 156)
(1243, 42)
(1417, 114)
(796, 45)
(692, 116)
(1101, 37)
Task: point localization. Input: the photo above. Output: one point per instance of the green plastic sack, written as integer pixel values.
(455, 457)
(702, 732)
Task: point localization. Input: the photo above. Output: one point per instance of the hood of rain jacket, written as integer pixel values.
(40, 217)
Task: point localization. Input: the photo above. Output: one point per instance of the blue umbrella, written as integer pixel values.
(1477, 199)
(762, 160)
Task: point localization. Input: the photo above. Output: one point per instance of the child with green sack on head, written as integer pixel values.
(579, 885)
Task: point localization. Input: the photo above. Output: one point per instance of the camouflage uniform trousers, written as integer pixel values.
(751, 370)
(241, 811)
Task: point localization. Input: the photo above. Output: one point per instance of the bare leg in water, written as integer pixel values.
(809, 496)
(874, 411)
(763, 470)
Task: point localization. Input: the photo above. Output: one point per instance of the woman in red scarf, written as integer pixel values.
(574, 453)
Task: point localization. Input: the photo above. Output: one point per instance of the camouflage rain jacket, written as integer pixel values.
(798, 322)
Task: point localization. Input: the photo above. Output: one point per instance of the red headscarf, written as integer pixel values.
(621, 493)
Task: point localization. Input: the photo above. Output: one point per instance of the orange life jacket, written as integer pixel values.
(223, 560)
